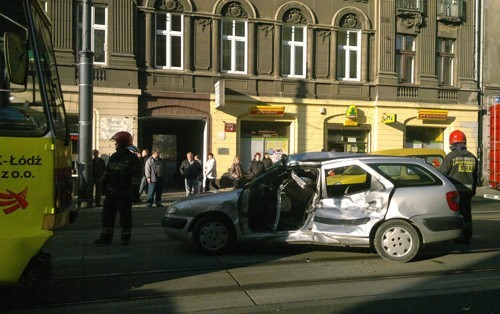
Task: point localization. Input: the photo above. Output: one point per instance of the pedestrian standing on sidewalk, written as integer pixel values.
(190, 170)
(267, 161)
(461, 166)
(210, 173)
(200, 179)
(255, 167)
(155, 175)
(136, 197)
(143, 187)
(236, 173)
(122, 170)
(98, 168)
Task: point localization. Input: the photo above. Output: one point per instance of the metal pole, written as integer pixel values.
(85, 109)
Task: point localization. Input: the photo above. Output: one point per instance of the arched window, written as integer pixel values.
(234, 39)
(169, 30)
(294, 44)
(349, 48)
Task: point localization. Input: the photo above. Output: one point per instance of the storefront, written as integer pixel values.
(264, 137)
(424, 137)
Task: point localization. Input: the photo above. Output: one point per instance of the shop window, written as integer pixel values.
(348, 141)
(405, 58)
(169, 41)
(424, 137)
(98, 33)
(444, 63)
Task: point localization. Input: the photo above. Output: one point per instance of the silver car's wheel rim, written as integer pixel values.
(397, 241)
(213, 236)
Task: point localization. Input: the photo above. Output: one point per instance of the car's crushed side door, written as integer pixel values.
(353, 199)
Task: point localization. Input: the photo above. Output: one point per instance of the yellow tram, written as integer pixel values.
(35, 150)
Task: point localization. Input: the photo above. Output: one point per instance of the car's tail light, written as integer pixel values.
(453, 199)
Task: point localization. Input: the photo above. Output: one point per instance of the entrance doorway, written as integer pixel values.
(264, 137)
(174, 138)
(347, 140)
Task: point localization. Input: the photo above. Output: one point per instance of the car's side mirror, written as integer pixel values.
(16, 57)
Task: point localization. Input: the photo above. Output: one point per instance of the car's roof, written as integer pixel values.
(418, 152)
(322, 157)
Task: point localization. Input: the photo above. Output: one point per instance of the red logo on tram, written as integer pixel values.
(13, 201)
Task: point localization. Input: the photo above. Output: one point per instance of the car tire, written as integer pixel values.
(213, 235)
(397, 241)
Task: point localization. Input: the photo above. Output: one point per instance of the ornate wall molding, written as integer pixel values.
(324, 35)
(294, 16)
(169, 5)
(204, 23)
(234, 10)
(350, 20)
(410, 19)
(266, 29)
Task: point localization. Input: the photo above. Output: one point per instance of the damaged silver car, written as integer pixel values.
(391, 204)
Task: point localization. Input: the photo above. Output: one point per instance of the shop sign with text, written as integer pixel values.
(267, 110)
(432, 114)
(389, 118)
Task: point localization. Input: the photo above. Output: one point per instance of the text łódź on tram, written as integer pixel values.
(35, 151)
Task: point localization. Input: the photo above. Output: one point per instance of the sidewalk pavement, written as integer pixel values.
(487, 192)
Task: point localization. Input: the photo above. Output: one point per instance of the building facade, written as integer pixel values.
(236, 77)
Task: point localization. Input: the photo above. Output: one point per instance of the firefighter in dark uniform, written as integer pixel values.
(461, 166)
(122, 170)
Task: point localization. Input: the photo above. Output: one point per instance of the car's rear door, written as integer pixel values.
(353, 199)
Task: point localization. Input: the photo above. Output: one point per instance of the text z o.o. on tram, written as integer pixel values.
(35, 151)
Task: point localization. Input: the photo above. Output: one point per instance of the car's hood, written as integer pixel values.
(207, 200)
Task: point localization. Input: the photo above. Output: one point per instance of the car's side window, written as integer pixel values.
(405, 175)
(346, 180)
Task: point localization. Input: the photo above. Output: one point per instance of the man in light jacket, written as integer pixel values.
(154, 170)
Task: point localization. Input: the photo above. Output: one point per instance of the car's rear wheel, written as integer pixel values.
(213, 235)
(396, 241)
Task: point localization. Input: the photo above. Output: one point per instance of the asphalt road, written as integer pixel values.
(158, 275)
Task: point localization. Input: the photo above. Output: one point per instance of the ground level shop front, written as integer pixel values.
(243, 127)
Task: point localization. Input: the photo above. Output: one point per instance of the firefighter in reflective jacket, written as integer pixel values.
(461, 166)
(122, 170)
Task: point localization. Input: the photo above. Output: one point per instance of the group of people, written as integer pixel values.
(193, 172)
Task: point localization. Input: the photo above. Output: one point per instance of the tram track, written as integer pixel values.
(145, 286)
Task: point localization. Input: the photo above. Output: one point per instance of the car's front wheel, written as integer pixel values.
(213, 235)
(396, 241)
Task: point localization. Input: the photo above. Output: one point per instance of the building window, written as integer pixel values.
(98, 34)
(349, 55)
(234, 46)
(415, 5)
(168, 41)
(405, 58)
(450, 9)
(444, 62)
(294, 51)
